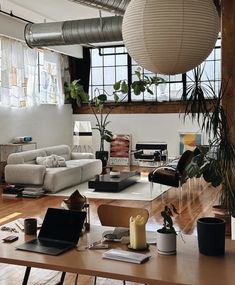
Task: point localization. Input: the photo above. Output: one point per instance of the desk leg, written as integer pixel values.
(61, 279)
(26, 276)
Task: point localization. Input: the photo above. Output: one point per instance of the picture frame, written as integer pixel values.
(189, 140)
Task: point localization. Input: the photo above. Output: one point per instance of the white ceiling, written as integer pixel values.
(39, 11)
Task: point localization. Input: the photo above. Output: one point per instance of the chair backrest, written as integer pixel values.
(184, 160)
(117, 216)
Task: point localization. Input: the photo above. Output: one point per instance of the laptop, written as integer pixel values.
(59, 232)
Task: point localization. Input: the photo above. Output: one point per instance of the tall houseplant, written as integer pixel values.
(218, 169)
(101, 108)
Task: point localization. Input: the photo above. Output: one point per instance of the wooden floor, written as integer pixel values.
(197, 201)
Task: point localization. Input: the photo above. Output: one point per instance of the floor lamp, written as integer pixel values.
(82, 136)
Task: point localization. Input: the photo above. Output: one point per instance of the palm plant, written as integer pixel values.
(214, 120)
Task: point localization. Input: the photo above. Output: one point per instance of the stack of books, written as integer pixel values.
(12, 191)
(32, 192)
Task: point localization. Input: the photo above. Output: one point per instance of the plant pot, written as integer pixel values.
(166, 243)
(103, 156)
(211, 236)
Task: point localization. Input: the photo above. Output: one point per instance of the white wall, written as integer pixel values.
(146, 127)
(47, 124)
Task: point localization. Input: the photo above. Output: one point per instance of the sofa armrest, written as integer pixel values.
(25, 174)
(82, 155)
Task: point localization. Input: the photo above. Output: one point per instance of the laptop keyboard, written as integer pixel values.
(45, 243)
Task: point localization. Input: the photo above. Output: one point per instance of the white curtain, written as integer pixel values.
(28, 77)
(50, 78)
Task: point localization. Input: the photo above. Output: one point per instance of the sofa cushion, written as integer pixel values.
(61, 150)
(60, 178)
(51, 161)
(25, 174)
(89, 167)
(27, 157)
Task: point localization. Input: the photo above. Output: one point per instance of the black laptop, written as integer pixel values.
(60, 232)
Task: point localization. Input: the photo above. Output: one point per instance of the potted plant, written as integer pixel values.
(74, 92)
(218, 168)
(101, 108)
(166, 236)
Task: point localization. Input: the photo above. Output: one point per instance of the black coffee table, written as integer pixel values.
(105, 183)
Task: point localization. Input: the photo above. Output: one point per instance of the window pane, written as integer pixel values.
(121, 59)
(109, 75)
(121, 73)
(97, 76)
(96, 59)
(109, 60)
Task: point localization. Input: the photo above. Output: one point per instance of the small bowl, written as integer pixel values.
(114, 173)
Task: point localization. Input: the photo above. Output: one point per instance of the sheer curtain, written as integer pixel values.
(50, 78)
(28, 77)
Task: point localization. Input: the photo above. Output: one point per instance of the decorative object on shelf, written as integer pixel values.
(211, 236)
(166, 236)
(171, 36)
(137, 233)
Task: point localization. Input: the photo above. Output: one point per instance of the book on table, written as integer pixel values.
(127, 256)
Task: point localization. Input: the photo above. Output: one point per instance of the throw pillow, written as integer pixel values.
(51, 161)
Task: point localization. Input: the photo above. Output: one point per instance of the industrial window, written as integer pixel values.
(111, 64)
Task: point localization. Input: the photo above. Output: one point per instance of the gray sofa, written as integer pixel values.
(23, 168)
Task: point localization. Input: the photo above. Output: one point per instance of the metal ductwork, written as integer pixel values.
(114, 6)
(95, 30)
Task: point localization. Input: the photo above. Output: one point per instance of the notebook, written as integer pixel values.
(59, 232)
(127, 256)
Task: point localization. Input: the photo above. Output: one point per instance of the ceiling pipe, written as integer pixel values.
(95, 30)
(117, 7)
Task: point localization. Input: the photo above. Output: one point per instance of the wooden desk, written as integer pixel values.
(187, 267)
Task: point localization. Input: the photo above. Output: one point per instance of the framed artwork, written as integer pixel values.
(189, 141)
(120, 148)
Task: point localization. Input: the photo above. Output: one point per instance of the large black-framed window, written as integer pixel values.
(111, 64)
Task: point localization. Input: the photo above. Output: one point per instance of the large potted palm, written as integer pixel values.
(217, 164)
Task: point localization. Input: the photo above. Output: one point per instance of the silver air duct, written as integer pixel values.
(113, 6)
(96, 30)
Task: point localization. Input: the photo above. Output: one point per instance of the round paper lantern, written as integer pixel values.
(170, 36)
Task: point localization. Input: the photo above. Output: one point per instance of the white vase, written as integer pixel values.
(166, 243)
(232, 228)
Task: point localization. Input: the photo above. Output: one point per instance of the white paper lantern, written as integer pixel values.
(170, 36)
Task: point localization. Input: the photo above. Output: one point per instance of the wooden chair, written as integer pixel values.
(117, 216)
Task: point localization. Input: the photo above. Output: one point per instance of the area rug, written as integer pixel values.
(139, 191)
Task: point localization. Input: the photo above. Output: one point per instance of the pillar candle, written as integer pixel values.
(137, 232)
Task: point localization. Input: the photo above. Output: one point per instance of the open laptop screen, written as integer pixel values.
(62, 225)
